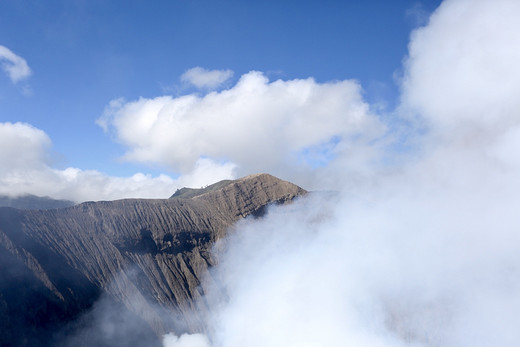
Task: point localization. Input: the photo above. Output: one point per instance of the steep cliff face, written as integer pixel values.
(147, 257)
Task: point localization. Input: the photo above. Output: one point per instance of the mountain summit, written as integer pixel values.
(141, 259)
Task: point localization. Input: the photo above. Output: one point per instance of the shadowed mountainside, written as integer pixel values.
(142, 258)
(33, 202)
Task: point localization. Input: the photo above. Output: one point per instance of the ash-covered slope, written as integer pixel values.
(143, 258)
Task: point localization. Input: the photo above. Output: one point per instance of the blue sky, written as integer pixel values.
(85, 53)
(112, 91)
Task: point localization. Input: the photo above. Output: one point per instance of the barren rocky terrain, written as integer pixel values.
(142, 259)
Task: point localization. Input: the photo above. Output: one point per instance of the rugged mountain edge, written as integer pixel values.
(33, 202)
(146, 257)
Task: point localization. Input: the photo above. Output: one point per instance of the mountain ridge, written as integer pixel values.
(146, 255)
(34, 202)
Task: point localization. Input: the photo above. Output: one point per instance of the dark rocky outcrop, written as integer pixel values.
(143, 258)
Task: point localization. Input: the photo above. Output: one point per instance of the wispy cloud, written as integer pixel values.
(206, 79)
(14, 66)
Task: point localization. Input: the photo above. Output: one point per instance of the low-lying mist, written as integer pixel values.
(418, 261)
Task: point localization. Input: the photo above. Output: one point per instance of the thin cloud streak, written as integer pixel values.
(206, 79)
(13, 65)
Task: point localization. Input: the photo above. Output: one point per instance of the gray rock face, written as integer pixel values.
(145, 258)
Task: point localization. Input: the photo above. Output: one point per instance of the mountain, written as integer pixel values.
(33, 202)
(129, 269)
(193, 192)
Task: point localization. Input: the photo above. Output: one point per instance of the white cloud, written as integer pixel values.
(22, 146)
(206, 79)
(15, 66)
(414, 261)
(260, 126)
(462, 80)
(462, 70)
(25, 169)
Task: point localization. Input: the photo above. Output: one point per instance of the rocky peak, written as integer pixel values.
(147, 256)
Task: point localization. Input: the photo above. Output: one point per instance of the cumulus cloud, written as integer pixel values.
(206, 79)
(281, 127)
(461, 82)
(22, 146)
(14, 66)
(424, 255)
(462, 69)
(26, 169)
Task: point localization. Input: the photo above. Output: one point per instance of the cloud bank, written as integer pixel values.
(462, 69)
(287, 128)
(14, 66)
(298, 130)
(29, 170)
(206, 79)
